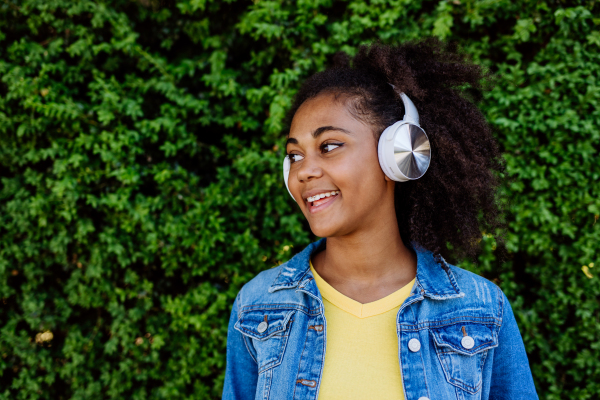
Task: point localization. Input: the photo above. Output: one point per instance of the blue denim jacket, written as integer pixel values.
(470, 346)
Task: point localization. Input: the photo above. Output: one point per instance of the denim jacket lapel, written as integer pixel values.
(437, 280)
(293, 271)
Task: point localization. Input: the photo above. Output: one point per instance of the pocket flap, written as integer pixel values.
(456, 338)
(262, 324)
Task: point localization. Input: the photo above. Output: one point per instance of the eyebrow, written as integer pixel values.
(317, 132)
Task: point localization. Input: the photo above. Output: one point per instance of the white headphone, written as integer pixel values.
(404, 151)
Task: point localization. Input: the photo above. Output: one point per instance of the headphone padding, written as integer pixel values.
(286, 174)
(383, 147)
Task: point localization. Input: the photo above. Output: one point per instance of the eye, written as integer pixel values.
(295, 157)
(327, 147)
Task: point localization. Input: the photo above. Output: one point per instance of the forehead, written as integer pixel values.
(323, 110)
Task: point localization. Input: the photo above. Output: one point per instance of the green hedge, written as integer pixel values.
(140, 149)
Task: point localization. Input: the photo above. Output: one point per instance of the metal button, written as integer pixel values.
(423, 398)
(262, 327)
(467, 342)
(414, 345)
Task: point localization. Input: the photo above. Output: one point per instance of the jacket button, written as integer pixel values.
(467, 342)
(414, 345)
(262, 327)
(423, 398)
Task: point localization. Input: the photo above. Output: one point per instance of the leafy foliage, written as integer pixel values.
(140, 178)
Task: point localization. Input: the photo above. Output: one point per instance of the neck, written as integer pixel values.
(369, 264)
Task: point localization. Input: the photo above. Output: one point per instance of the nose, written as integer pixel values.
(309, 170)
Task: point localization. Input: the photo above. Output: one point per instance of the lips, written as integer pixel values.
(321, 200)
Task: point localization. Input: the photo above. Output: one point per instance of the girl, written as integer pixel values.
(373, 310)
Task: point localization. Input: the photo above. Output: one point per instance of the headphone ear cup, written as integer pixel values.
(404, 151)
(286, 174)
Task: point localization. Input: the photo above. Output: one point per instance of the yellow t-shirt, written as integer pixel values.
(361, 359)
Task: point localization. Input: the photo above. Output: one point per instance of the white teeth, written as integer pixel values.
(322, 196)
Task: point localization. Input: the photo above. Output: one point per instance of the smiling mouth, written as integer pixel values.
(322, 198)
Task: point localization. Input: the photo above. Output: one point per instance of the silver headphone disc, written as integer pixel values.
(412, 151)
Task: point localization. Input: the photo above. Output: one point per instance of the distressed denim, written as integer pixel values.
(470, 345)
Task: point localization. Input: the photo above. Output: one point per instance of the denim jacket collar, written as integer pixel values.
(433, 280)
(295, 269)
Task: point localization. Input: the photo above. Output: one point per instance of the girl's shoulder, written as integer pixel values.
(272, 286)
(457, 293)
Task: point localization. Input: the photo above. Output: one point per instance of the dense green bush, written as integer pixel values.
(140, 147)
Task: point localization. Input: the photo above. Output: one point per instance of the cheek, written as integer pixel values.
(362, 177)
(294, 185)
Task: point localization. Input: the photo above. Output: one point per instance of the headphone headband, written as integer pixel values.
(410, 111)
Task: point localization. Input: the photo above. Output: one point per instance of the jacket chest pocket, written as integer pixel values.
(267, 331)
(462, 350)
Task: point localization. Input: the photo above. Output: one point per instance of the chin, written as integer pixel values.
(325, 230)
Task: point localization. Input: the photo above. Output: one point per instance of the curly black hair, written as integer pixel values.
(446, 210)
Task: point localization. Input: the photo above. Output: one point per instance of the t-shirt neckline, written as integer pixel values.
(360, 310)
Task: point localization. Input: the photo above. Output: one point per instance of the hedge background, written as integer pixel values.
(140, 148)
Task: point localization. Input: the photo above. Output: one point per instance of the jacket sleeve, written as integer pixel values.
(511, 375)
(241, 373)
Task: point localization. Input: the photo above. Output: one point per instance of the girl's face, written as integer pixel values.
(335, 175)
